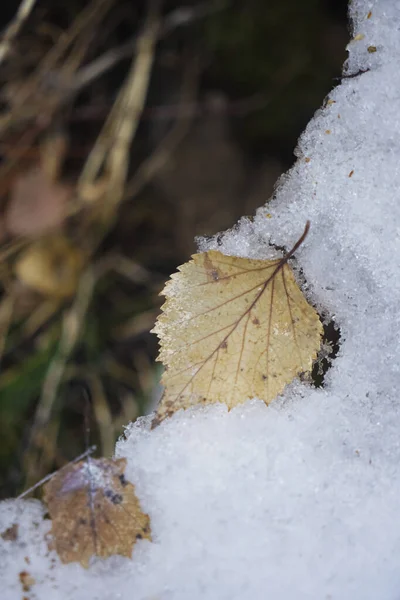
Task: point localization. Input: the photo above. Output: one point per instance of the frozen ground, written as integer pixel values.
(299, 499)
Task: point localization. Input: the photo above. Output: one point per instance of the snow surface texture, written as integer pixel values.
(299, 499)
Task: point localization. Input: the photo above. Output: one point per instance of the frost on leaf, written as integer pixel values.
(233, 329)
(94, 511)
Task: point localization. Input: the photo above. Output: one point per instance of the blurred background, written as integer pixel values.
(126, 130)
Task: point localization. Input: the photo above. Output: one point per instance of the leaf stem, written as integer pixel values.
(298, 243)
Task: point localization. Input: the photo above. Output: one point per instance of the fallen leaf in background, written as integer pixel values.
(233, 329)
(50, 266)
(37, 203)
(94, 511)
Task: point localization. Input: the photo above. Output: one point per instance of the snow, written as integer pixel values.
(299, 499)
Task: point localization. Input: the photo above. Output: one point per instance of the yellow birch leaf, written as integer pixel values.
(94, 511)
(233, 329)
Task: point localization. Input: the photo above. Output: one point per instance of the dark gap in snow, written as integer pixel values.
(329, 350)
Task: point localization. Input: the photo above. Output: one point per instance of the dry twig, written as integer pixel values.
(31, 489)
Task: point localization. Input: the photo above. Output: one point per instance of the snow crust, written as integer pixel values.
(299, 499)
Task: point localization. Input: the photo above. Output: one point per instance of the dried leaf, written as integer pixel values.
(11, 533)
(94, 511)
(50, 266)
(27, 581)
(232, 329)
(37, 203)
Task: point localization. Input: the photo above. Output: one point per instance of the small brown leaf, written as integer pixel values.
(27, 581)
(50, 266)
(232, 329)
(10, 534)
(36, 204)
(94, 511)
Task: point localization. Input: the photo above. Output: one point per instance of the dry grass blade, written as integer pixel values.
(32, 104)
(72, 324)
(6, 313)
(102, 414)
(86, 20)
(111, 150)
(73, 321)
(32, 98)
(40, 316)
(71, 328)
(163, 153)
(177, 18)
(24, 10)
(132, 103)
(112, 146)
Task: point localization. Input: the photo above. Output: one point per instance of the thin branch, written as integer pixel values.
(31, 489)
